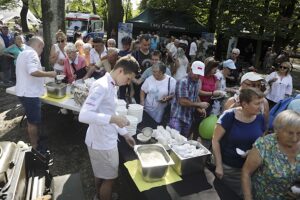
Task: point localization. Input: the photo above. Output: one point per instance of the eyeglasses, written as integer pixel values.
(255, 85)
(283, 67)
(61, 41)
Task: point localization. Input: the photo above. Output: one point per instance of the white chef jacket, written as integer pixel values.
(27, 85)
(97, 110)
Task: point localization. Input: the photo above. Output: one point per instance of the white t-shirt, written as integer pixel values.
(27, 85)
(221, 79)
(155, 91)
(61, 55)
(95, 57)
(280, 87)
(193, 49)
(173, 50)
(97, 110)
(181, 71)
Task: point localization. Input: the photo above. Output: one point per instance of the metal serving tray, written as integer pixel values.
(184, 166)
(55, 90)
(153, 168)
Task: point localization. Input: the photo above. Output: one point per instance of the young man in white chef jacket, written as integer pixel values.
(99, 111)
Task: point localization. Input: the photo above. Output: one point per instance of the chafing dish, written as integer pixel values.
(55, 90)
(153, 161)
(189, 165)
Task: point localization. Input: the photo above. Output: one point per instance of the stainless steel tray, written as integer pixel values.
(55, 90)
(189, 165)
(154, 161)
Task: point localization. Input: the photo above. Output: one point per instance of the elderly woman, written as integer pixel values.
(273, 164)
(160, 88)
(57, 53)
(79, 46)
(74, 65)
(281, 84)
(86, 50)
(12, 52)
(248, 80)
(16, 48)
(237, 128)
(181, 65)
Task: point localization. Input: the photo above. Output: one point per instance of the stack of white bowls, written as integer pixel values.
(121, 110)
(133, 124)
(136, 110)
(121, 103)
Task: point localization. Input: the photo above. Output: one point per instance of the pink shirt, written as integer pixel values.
(208, 84)
(68, 69)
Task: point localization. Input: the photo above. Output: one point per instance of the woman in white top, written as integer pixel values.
(181, 65)
(160, 89)
(57, 53)
(281, 84)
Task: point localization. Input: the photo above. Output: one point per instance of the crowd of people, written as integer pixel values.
(177, 78)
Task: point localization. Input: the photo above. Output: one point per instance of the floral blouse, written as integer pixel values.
(274, 178)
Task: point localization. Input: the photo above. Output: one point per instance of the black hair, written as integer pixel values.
(126, 40)
(98, 40)
(156, 53)
(144, 37)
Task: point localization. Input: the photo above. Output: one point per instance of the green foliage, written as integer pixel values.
(36, 8)
(127, 5)
(8, 3)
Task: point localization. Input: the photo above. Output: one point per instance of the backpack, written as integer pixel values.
(279, 107)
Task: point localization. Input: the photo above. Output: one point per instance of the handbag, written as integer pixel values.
(79, 73)
(167, 111)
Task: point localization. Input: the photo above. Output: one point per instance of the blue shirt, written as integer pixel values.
(238, 135)
(7, 39)
(185, 88)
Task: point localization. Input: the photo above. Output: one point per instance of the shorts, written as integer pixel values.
(32, 106)
(105, 163)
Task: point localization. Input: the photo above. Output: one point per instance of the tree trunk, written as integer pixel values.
(213, 13)
(94, 7)
(115, 15)
(23, 16)
(261, 33)
(53, 17)
(127, 10)
(286, 11)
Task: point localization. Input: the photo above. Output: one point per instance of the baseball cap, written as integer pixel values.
(229, 64)
(198, 68)
(251, 76)
(183, 42)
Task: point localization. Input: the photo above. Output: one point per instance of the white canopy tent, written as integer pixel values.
(8, 14)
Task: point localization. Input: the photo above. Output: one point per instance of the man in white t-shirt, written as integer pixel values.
(30, 85)
(97, 53)
(221, 75)
(193, 50)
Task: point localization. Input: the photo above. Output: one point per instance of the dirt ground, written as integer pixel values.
(65, 137)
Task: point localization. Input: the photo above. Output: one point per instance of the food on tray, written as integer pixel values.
(168, 136)
(188, 150)
(153, 158)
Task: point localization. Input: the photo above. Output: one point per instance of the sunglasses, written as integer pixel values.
(283, 67)
(61, 41)
(255, 85)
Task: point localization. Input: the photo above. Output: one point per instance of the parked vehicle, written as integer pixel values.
(89, 25)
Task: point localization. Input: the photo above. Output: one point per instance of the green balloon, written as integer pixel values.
(207, 127)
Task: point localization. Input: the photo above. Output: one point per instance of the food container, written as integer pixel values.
(55, 90)
(190, 165)
(153, 161)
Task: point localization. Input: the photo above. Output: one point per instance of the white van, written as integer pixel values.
(87, 24)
